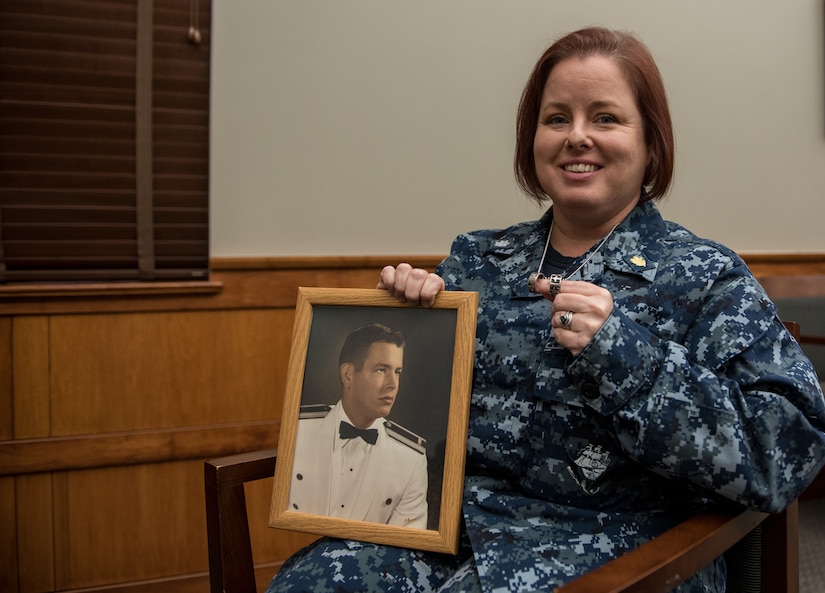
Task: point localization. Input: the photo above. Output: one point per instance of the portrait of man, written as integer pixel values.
(351, 461)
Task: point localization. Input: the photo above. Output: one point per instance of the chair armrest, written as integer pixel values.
(227, 525)
(670, 558)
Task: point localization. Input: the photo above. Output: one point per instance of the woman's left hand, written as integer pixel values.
(579, 311)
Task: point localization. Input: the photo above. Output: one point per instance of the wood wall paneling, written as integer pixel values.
(6, 407)
(35, 533)
(33, 526)
(160, 370)
(8, 535)
(30, 364)
(103, 378)
(8, 512)
(129, 523)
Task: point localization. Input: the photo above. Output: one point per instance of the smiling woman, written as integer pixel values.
(633, 382)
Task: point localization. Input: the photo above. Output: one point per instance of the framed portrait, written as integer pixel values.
(374, 425)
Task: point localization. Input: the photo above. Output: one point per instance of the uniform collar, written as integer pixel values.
(632, 249)
(519, 252)
(337, 414)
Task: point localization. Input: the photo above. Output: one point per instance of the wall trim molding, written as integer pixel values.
(312, 262)
(272, 282)
(61, 453)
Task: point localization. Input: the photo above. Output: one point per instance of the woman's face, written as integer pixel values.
(589, 147)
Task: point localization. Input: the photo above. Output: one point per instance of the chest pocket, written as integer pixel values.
(589, 463)
(510, 341)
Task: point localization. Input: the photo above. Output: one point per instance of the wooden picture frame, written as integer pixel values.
(431, 403)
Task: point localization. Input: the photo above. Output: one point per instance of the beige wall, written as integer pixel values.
(386, 126)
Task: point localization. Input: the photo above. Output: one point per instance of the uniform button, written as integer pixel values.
(388, 501)
(300, 476)
(589, 390)
(294, 506)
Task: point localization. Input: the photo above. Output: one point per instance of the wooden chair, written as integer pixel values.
(750, 540)
(656, 566)
(231, 568)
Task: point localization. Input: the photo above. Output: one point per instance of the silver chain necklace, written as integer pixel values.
(555, 279)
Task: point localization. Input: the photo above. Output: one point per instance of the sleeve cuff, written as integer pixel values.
(621, 360)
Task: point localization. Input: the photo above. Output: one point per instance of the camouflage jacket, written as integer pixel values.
(692, 394)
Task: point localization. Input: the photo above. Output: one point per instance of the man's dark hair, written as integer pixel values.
(359, 340)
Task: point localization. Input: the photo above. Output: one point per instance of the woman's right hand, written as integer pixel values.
(413, 285)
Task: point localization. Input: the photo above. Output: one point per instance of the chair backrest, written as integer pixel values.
(231, 568)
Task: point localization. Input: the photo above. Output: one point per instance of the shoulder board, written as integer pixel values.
(314, 411)
(407, 437)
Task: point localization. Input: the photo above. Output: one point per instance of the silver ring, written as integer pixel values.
(566, 319)
(531, 281)
(555, 284)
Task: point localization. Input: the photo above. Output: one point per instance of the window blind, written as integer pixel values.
(104, 140)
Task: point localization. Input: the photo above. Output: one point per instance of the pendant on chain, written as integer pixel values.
(555, 282)
(555, 279)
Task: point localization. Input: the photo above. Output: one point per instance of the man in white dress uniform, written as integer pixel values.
(350, 462)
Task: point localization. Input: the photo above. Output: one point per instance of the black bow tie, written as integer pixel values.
(348, 431)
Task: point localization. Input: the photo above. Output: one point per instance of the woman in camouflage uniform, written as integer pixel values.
(641, 375)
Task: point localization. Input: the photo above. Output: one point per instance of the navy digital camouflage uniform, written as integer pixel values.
(691, 396)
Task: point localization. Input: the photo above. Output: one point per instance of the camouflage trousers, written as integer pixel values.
(345, 566)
